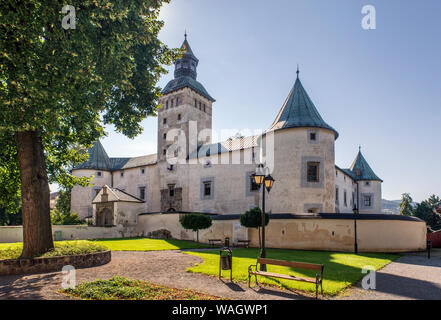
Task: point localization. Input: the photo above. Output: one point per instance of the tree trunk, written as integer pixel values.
(197, 237)
(37, 229)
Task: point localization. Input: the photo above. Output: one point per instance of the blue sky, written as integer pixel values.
(380, 89)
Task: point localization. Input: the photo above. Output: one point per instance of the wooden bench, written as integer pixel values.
(318, 280)
(243, 243)
(213, 242)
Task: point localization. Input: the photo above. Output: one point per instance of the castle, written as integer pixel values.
(190, 173)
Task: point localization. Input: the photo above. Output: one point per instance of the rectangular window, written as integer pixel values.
(164, 121)
(345, 198)
(99, 174)
(166, 105)
(313, 171)
(171, 105)
(367, 201)
(171, 190)
(312, 136)
(179, 117)
(204, 107)
(142, 193)
(122, 174)
(336, 194)
(142, 171)
(200, 105)
(177, 101)
(207, 189)
(195, 103)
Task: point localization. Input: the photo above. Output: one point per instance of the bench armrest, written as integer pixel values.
(250, 268)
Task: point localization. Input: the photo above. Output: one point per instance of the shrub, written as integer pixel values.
(253, 219)
(196, 222)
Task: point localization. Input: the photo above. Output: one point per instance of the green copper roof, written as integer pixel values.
(360, 169)
(299, 111)
(187, 49)
(183, 82)
(98, 158)
(186, 74)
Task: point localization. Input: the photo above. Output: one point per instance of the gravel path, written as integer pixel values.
(411, 277)
(160, 267)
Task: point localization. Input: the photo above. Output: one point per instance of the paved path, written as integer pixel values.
(411, 277)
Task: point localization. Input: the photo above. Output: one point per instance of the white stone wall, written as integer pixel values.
(344, 183)
(81, 200)
(373, 189)
(15, 234)
(292, 151)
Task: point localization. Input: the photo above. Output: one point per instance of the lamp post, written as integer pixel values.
(355, 229)
(267, 180)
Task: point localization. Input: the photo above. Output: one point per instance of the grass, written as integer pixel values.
(145, 244)
(62, 248)
(341, 269)
(13, 250)
(120, 288)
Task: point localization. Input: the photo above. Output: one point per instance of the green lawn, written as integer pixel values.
(132, 244)
(62, 248)
(341, 269)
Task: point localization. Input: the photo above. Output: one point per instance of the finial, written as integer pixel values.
(185, 34)
(298, 71)
(359, 148)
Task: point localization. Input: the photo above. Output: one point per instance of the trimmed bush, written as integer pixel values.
(196, 222)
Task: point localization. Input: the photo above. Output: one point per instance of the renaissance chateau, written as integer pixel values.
(191, 173)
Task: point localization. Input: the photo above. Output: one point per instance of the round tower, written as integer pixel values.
(303, 157)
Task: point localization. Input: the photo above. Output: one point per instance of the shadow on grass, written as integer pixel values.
(341, 269)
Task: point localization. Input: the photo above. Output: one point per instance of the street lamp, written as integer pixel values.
(268, 181)
(355, 210)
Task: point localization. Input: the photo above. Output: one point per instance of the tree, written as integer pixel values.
(253, 219)
(196, 222)
(426, 211)
(406, 205)
(59, 87)
(61, 214)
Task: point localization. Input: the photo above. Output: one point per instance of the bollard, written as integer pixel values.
(429, 246)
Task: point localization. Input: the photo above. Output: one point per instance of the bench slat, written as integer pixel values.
(293, 264)
(282, 276)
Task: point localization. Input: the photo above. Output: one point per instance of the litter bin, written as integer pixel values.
(226, 261)
(58, 236)
(227, 242)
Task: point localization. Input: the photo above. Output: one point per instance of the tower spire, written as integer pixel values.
(185, 34)
(298, 71)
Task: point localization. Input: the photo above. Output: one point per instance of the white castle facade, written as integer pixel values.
(298, 149)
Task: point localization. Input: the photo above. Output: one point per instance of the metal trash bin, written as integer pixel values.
(226, 261)
(58, 236)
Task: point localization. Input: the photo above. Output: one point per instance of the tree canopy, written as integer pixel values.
(253, 218)
(60, 86)
(196, 222)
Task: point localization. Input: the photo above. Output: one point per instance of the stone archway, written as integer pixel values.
(104, 217)
(107, 216)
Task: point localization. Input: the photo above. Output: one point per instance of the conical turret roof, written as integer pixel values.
(98, 158)
(360, 169)
(299, 111)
